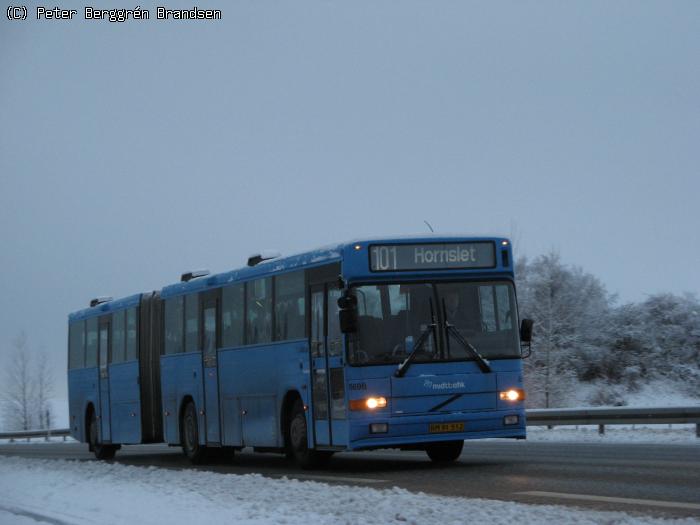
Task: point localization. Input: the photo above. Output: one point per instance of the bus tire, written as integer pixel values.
(195, 452)
(305, 457)
(101, 451)
(445, 451)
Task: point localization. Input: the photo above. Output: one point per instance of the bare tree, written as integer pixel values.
(43, 377)
(18, 395)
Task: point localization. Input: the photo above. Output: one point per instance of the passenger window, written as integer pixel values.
(259, 311)
(173, 325)
(232, 315)
(131, 335)
(104, 348)
(192, 323)
(91, 343)
(335, 337)
(290, 309)
(209, 342)
(76, 345)
(318, 347)
(118, 339)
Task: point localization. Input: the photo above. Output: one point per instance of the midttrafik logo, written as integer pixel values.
(445, 385)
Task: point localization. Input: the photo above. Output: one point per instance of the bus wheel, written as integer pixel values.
(298, 442)
(444, 452)
(190, 435)
(101, 451)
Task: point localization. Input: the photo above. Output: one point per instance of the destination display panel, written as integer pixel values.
(444, 256)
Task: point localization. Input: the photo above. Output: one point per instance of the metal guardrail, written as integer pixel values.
(28, 434)
(614, 416)
(549, 417)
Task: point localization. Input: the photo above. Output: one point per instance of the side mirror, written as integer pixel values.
(348, 313)
(526, 330)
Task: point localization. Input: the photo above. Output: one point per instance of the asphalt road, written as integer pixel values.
(658, 480)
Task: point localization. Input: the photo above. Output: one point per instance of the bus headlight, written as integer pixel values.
(369, 403)
(514, 394)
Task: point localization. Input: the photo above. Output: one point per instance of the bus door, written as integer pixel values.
(209, 319)
(105, 413)
(330, 425)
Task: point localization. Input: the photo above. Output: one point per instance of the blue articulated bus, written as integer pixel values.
(410, 343)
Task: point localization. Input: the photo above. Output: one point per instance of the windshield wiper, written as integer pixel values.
(430, 329)
(483, 363)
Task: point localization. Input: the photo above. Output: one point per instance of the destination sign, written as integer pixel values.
(398, 257)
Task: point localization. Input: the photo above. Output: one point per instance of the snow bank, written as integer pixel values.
(91, 492)
(656, 393)
(650, 434)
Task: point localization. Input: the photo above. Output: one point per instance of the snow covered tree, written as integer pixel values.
(571, 310)
(669, 330)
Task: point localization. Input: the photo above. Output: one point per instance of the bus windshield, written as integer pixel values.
(392, 317)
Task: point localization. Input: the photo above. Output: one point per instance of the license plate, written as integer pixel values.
(446, 427)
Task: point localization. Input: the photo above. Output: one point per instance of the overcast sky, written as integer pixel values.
(132, 152)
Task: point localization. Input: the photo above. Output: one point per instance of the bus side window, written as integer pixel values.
(91, 343)
(173, 325)
(259, 311)
(335, 337)
(232, 315)
(131, 335)
(209, 332)
(318, 347)
(76, 345)
(290, 310)
(192, 323)
(118, 348)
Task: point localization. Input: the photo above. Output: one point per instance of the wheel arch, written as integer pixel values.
(186, 399)
(88, 412)
(290, 398)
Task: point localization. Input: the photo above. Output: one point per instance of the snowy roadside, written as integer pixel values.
(650, 434)
(78, 493)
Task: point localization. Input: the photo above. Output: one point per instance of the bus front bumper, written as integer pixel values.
(418, 429)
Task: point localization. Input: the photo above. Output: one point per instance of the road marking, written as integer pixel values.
(32, 515)
(335, 478)
(608, 499)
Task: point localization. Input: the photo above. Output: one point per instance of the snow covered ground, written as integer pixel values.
(652, 434)
(653, 394)
(75, 492)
